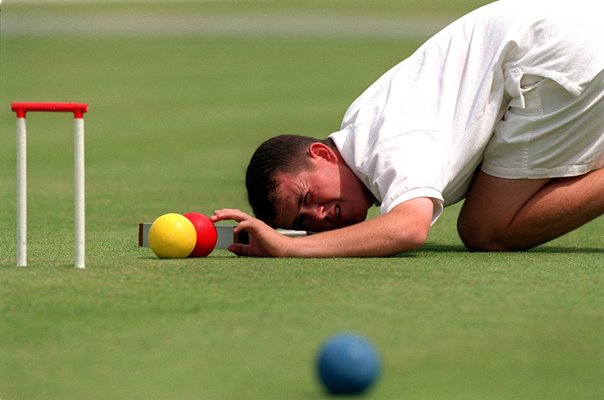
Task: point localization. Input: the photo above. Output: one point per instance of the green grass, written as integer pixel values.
(448, 324)
(171, 125)
(339, 7)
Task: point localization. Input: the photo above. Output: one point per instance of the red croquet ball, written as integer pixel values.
(206, 234)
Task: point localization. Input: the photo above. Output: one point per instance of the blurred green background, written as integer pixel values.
(180, 93)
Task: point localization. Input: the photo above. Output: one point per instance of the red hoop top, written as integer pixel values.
(78, 109)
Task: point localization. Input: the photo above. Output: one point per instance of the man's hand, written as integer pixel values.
(264, 240)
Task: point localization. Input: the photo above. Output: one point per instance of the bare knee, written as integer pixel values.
(487, 219)
(481, 237)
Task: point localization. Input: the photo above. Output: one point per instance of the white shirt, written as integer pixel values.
(421, 129)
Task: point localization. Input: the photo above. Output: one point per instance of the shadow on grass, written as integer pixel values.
(444, 248)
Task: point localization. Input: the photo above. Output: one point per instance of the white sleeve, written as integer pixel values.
(408, 166)
(431, 193)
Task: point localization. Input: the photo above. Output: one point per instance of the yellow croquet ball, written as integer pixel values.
(172, 236)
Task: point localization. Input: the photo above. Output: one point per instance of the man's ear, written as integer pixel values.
(320, 151)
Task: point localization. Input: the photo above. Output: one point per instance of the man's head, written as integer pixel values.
(300, 182)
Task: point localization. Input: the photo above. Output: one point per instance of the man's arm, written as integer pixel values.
(404, 228)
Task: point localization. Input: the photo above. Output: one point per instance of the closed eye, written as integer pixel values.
(306, 200)
(301, 219)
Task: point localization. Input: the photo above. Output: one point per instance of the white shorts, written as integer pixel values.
(556, 134)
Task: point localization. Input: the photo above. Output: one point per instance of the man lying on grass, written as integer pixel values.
(504, 107)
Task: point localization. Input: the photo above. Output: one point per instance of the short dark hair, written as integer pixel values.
(283, 153)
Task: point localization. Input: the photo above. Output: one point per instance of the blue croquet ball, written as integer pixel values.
(347, 364)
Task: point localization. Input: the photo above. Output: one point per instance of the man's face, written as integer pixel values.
(327, 197)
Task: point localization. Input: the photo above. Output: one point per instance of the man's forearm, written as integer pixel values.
(404, 228)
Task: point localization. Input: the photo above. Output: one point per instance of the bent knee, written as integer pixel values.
(485, 238)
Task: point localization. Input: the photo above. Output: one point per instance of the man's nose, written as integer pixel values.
(315, 212)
